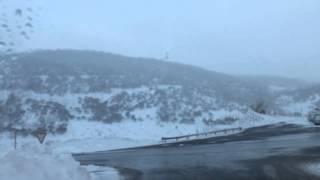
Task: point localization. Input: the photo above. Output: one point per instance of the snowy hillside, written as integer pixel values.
(116, 100)
(300, 101)
(54, 87)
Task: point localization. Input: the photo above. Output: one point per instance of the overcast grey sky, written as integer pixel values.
(271, 37)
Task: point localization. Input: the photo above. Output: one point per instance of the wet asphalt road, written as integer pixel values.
(260, 153)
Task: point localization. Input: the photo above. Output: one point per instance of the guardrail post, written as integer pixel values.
(15, 139)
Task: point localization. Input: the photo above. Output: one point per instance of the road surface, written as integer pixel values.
(260, 153)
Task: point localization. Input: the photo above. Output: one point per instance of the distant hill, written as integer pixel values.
(52, 88)
(62, 71)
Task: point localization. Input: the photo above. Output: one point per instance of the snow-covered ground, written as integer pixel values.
(40, 164)
(87, 136)
(52, 160)
(312, 168)
(302, 107)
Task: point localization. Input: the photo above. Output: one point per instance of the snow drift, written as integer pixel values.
(40, 165)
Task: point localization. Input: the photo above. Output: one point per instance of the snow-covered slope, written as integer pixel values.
(300, 101)
(111, 101)
(51, 88)
(39, 164)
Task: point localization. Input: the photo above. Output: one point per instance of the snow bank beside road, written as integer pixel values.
(313, 168)
(37, 164)
(89, 136)
(18, 165)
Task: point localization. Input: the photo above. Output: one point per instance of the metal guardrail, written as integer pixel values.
(206, 134)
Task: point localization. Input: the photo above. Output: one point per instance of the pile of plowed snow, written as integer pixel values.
(39, 165)
(313, 168)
